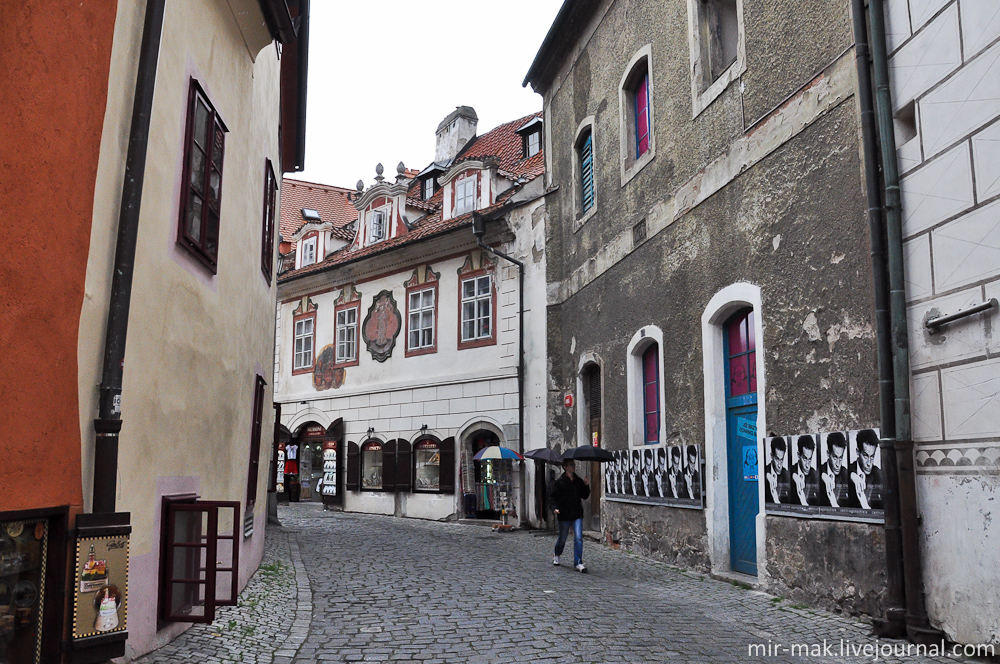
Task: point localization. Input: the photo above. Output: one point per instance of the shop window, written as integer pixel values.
(204, 147)
(427, 465)
(267, 224)
(372, 467)
(22, 588)
(199, 558)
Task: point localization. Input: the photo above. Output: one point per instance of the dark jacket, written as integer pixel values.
(567, 495)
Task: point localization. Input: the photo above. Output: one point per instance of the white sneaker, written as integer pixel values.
(555, 560)
(581, 568)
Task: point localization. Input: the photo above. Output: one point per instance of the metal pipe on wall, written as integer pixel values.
(108, 423)
(893, 625)
(917, 625)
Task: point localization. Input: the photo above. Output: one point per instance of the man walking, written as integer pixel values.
(568, 494)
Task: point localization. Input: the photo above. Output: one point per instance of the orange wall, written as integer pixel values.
(53, 88)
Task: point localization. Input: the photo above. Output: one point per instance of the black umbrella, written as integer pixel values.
(588, 453)
(546, 454)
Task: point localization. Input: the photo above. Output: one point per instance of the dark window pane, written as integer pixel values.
(212, 233)
(193, 222)
(219, 146)
(198, 169)
(201, 116)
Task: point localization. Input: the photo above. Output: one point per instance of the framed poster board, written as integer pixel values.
(100, 586)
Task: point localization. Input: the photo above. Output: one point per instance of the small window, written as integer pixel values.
(371, 466)
(308, 251)
(640, 95)
(477, 308)
(347, 335)
(428, 188)
(310, 215)
(303, 359)
(267, 231)
(586, 156)
(651, 395)
(720, 33)
(427, 466)
(421, 308)
(204, 150)
(532, 144)
(376, 226)
(465, 195)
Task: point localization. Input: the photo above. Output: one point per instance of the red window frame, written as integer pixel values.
(741, 355)
(640, 95)
(416, 288)
(309, 236)
(651, 395)
(357, 336)
(201, 236)
(295, 320)
(198, 575)
(485, 341)
(267, 223)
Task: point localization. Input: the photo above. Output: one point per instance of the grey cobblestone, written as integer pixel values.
(382, 589)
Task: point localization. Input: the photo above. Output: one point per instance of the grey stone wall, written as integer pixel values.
(676, 536)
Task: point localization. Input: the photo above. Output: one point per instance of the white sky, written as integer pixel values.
(383, 75)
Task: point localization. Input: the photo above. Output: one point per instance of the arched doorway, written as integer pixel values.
(488, 485)
(304, 463)
(591, 412)
(739, 360)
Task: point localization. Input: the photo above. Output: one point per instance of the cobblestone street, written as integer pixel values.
(384, 589)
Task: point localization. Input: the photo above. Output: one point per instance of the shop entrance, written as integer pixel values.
(741, 440)
(487, 486)
(312, 469)
(592, 394)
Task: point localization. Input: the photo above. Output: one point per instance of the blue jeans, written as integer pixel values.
(564, 527)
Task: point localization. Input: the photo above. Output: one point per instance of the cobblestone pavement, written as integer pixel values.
(384, 589)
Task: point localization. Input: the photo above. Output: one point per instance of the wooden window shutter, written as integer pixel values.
(448, 465)
(594, 393)
(404, 466)
(389, 466)
(353, 466)
(227, 556)
(254, 467)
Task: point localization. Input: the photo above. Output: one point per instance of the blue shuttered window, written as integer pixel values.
(587, 172)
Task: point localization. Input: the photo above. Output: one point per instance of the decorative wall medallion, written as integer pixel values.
(325, 375)
(382, 326)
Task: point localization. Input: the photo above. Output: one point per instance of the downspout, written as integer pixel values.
(917, 625)
(893, 625)
(108, 424)
(479, 229)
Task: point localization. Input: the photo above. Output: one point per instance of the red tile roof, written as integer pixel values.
(331, 202)
(503, 142)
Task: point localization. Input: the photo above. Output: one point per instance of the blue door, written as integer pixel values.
(741, 441)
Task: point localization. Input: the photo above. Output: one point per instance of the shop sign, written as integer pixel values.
(100, 589)
(568, 400)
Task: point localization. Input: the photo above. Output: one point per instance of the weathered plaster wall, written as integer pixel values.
(196, 341)
(52, 89)
(763, 186)
(838, 566)
(945, 73)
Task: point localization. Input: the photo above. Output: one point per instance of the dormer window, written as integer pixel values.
(308, 251)
(428, 188)
(532, 144)
(310, 215)
(376, 226)
(465, 195)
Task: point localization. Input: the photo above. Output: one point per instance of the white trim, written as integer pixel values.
(723, 304)
(633, 369)
(308, 414)
(630, 169)
(701, 97)
(314, 242)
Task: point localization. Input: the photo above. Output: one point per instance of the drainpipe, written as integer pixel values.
(917, 625)
(108, 424)
(479, 229)
(893, 625)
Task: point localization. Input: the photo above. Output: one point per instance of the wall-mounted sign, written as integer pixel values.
(568, 400)
(100, 589)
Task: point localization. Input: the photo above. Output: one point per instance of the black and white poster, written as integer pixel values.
(656, 474)
(827, 475)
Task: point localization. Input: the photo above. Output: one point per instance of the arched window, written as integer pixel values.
(371, 466)
(645, 387)
(636, 117)
(427, 465)
(651, 394)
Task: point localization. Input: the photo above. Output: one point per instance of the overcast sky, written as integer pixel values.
(383, 75)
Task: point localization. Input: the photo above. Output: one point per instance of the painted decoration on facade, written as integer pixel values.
(835, 475)
(656, 474)
(477, 260)
(423, 274)
(305, 306)
(382, 326)
(347, 295)
(326, 375)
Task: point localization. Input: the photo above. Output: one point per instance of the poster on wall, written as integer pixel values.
(280, 469)
(656, 474)
(834, 475)
(100, 592)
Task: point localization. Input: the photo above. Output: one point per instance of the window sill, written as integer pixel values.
(211, 263)
(701, 101)
(632, 170)
(420, 351)
(585, 218)
(350, 363)
(302, 372)
(477, 343)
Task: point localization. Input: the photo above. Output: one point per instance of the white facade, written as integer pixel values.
(945, 70)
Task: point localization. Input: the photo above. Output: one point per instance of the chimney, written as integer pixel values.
(454, 132)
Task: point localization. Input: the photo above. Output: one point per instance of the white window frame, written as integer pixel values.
(465, 195)
(428, 188)
(703, 91)
(382, 226)
(534, 143)
(630, 164)
(418, 311)
(635, 389)
(308, 249)
(475, 299)
(347, 336)
(300, 352)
